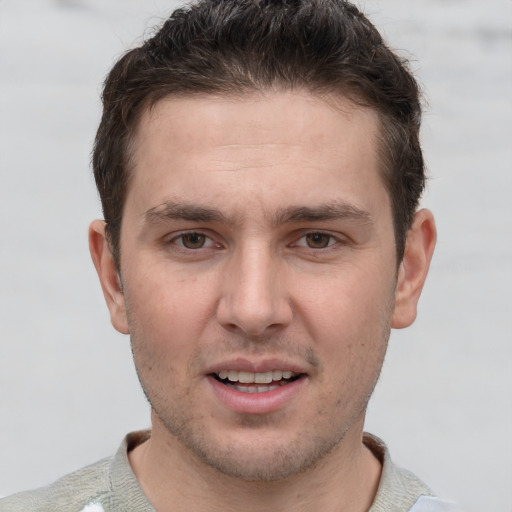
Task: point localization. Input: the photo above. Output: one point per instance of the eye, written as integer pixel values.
(316, 240)
(193, 240)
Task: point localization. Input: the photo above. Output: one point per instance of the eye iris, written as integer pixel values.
(193, 240)
(317, 240)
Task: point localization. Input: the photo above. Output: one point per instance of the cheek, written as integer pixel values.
(349, 320)
(350, 301)
(165, 317)
(162, 298)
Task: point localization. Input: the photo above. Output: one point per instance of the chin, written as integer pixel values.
(264, 458)
(277, 465)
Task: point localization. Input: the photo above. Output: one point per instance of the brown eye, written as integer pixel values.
(193, 240)
(318, 240)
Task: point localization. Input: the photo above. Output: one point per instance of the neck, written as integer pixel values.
(345, 480)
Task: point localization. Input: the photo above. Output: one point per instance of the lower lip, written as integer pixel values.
(256, 403)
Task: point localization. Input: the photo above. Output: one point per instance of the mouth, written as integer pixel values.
(250, 382)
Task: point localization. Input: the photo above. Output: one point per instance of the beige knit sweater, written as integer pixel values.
(110, 486)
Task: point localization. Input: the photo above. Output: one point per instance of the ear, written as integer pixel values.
(413, 270)
(108, 274)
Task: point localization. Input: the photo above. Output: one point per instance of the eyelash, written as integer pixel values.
(208, 242)
(178, 240)
(331, 240)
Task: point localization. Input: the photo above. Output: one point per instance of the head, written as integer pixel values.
(232, 48)
(259, 167)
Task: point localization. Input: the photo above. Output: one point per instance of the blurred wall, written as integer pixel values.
(68, 391)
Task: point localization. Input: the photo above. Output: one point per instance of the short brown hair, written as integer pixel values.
(238, 46)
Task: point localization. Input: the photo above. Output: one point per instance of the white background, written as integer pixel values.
(68, 391)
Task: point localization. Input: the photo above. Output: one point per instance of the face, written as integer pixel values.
(258, 276)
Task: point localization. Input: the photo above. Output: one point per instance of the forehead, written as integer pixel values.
(202, 117)
(273, 145)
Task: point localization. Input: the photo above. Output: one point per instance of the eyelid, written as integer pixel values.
(176, 236)
(336, 239)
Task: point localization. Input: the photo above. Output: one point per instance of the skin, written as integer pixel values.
(258, 229)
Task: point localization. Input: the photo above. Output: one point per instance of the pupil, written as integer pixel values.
(193, 240)
(318, 240)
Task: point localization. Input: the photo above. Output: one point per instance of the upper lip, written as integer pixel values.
(261, 366)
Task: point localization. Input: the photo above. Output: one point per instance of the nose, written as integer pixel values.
(254, 299)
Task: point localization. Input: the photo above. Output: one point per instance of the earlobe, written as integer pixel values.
(108, 275)
(413, 270)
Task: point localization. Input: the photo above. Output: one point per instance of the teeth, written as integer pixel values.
(263, 378)
(254, 389)
(246, 377)
(257, 378)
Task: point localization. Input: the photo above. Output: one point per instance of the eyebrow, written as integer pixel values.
(331, 211)
(170, 210)
(183, 211)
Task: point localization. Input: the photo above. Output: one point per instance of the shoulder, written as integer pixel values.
(73, 492)
(432, 504)
(106, 486)
(399, 489)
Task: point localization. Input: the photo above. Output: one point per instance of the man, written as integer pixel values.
(260, 171)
